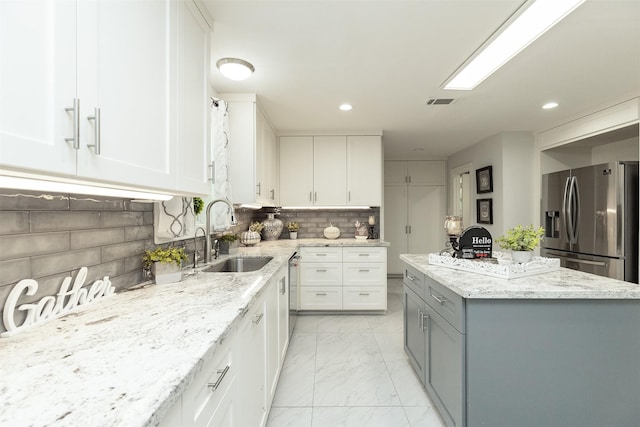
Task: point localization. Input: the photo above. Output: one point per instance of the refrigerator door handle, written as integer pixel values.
(576, 207)
(566, 210)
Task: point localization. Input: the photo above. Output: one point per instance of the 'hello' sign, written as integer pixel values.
(51, 307)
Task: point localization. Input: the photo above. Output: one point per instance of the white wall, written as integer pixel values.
(511, 154)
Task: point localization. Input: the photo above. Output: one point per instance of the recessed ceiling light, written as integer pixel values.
(346, 107)
(539, 17)
(550, 105)
(234, 68)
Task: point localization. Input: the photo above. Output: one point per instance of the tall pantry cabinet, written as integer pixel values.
(414, 208)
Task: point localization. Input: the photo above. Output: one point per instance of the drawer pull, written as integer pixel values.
(364, 271)
(258, 318)
(363, 254)
(321, 254)
(424, 321)
(222, 372)
(410, 277)
(441, 300)
(321, 294)
(321, 270)
(364, 294)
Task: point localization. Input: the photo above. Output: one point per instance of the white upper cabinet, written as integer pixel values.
(252, 168)
(330, 170)
(364, 169)
(128, 67)
(194, 139)
(38, 45)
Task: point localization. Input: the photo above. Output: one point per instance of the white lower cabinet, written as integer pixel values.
(351, 278)
(236, 384)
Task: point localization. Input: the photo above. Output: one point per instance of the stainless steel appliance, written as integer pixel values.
(590, 216)
(293, 291)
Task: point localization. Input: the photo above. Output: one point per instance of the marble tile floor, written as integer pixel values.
(350, 370)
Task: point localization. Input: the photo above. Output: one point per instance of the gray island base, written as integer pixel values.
(558, 349)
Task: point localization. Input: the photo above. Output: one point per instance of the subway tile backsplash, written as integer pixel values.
(48, 237)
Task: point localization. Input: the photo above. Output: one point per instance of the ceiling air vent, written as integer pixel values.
(439, 101)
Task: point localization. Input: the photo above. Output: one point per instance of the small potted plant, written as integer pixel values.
(165, 264)
(521, 241)
(293, 229)
(252, 236)
(229, 243)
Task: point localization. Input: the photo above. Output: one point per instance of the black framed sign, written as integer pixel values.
(484, 180)
(485, 211)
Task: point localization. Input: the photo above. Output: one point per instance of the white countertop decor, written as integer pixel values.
(563, 283)
(126, 361)
(505, 269)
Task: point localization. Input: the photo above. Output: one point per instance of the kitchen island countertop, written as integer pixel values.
(127, 359)
(560, 284)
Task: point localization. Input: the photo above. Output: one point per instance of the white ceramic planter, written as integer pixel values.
(293, 235)
(164, 273)
(521, 257)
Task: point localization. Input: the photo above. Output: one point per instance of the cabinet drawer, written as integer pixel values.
(204, 395)
(414, 280)
(318, 274)
(321, 298)
(364, 274)
(324, 254)
(364, 298)
(364, 254)
(445, 302)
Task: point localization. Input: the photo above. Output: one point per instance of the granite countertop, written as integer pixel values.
(560, 284)
(127, 359)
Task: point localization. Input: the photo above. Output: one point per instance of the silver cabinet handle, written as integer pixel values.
(321, 254)
(441, 300)
(584, 261)
(425, 321)
(258, 318)
(321, 270)
(310, 196)
(96, 130)
(258, 188)
(410, 277)
(364, 271)
(315, 196)
(222, 372)
(320, 294)
(421, 317)
(363, 254)
(76, 123)
(283, 288)
(349, 196)
(364, 294)
(212, 166)
(273, 194)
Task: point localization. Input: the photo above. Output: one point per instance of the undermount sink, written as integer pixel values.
(239, 265)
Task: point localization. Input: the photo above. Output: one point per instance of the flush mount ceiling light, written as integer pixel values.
(514, 35)
(346, 107)
(549, 105)
(234, 68)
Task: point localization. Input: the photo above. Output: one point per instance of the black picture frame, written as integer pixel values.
(484, 180)
(484, 209)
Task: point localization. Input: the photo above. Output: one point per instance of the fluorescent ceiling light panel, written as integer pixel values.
(539, 17)
(18, 183)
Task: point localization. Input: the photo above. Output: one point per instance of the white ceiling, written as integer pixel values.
(387, 57)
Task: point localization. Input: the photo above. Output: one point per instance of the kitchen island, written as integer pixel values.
(554, 349)
(127, 360)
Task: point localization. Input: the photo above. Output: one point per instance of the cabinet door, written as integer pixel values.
(395, 225)
(266, 160)
(296, 170)
(395, 172)
(273, 348)
(38, 45)
(194, 151)
(283, 315)
(126, 70)
(445, 368)
(427, 172)
(252, 369)
(364, 171)
(414, 336)
(426, 210)
(330, 170)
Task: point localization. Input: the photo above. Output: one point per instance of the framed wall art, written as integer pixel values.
(485, 211)
(484, 180)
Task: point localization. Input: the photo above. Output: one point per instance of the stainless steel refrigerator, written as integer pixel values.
(590, 216)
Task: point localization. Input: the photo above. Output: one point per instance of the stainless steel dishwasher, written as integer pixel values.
(293, 291)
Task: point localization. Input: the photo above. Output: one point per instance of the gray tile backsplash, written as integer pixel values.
(48, 237)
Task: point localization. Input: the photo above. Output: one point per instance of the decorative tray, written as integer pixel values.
(504, 269)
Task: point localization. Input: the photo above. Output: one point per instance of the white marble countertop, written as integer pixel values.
(126, 360)
(560, 284)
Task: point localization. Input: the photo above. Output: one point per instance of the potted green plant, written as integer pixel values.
(229, 243)
(521, 241)
(252, 236)
(165, 264)
(293, 229)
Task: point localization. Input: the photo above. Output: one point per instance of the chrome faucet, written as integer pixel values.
(195, 245)
(207, 246)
